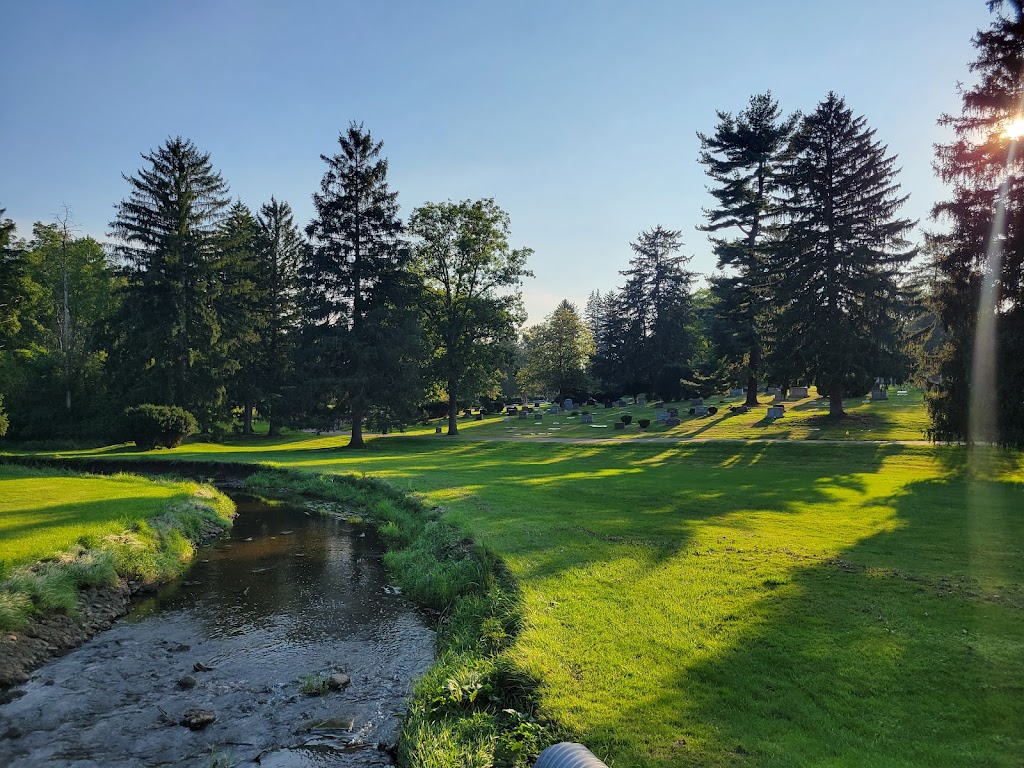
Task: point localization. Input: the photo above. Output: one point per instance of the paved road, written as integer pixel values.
(663, 440)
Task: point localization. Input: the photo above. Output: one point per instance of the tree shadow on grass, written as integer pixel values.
(903, 650)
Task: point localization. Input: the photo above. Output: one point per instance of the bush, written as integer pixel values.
(644, 423)
(712, 410)
(626, 418)
(149, 426)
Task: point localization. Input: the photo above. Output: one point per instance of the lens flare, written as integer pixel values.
(1014, 129)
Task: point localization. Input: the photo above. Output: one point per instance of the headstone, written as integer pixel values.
(659, 404)
(536, 401)
(641, 402)
(511, 410)
(609, 405)
(619, 425)
(587, 418)
(523, 415)
(538, 416)
(798, 392)
(696, 401)
(620, 403)
(879, 394)
(437, 430)
(700, 410)
(673, 423)
(773, 391)
(479, 417)
(735, 392)
(776, 411)
(662, 416)
(673, 412)
(554, 409)
(567, 404)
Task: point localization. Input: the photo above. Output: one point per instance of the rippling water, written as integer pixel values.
(289, 595)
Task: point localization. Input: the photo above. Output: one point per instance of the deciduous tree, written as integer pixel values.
(472, 298)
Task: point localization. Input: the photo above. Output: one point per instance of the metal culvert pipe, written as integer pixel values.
(568, 754)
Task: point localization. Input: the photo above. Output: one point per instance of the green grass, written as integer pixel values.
(62, 532)
(736, 604)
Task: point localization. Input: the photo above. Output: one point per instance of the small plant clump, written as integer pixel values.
(315, 685)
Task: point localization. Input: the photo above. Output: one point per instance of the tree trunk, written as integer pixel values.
(247, 418)
(453, 411)
(357, 429)
(835, 402)
(275, 428)
(755, 363)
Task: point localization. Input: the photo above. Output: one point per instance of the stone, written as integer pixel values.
(659, 404)
(700, 410)
(13, 733)
(338, 680)
(879, 394)
(538, 416)
(662, 416)
(609, 405)
(437, 430)
(773, 391)
(200, 667)
(776, 411)
(673, 422)
(735, 392)
(695, 401)
(554, 409)
(197, 719)
(523, 415)
(641, 402)
(800, 392)
(567, 404)
(673, 412)
(619, 425)
(620, 403)
(186, 682)
(587, 418)
(478, 417)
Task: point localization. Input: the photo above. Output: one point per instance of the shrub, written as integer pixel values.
(644, 423)
(712, 410)
(149, 426)
(626, 418)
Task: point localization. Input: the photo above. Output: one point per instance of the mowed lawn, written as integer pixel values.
(901, 417)
(742, 604)
(44, 513)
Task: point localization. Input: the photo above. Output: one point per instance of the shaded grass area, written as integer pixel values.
(738, 604)
(63, 532)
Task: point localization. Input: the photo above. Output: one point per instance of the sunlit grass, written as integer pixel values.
(763, 604)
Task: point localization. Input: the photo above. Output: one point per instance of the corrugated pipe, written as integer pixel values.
(568, 754)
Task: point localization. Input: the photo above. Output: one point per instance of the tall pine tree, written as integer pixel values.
(357, 284)
(744, 157)
(168, 329)
(983, 165)
(842, 254)
(279, 253)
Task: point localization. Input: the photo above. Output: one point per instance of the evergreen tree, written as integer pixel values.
(557, 354)
(12, 276)
(744, 157)
(472, 297)
(279, 253)
(238, 305)
(168, 330)
(982, 252)
(841, 257)
(357, 284)
(655, 309)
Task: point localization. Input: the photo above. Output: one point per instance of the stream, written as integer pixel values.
(291, 594)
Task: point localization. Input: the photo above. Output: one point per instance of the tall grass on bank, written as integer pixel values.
(475, 706)
(150, 550)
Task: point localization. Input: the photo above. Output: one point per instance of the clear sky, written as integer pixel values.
(579, 118)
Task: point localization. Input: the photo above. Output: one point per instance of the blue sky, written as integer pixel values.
(579, 118)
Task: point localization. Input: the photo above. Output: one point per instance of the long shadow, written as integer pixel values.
(903, 650)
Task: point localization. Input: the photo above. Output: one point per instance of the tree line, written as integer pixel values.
(362, 317)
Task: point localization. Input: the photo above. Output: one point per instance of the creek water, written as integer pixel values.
(289, 595)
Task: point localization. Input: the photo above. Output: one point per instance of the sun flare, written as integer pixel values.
(1014, 129)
